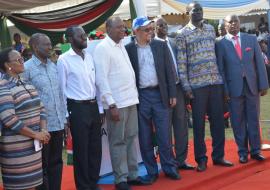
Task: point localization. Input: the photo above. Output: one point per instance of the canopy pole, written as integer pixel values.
(5, 40)
(140, 7)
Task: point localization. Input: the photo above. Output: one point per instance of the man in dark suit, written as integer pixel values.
(152, 63)
(178, 115)
(245, 80)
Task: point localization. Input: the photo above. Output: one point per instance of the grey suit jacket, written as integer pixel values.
(232, 68)
(163, 63)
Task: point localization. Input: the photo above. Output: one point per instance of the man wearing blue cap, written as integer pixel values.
(152, 63)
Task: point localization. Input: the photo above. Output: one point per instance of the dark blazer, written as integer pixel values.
(163, 63)
(232, 68)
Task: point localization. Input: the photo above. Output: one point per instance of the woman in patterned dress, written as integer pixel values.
(23, 121)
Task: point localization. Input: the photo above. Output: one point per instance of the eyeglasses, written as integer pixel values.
(19, 60)
(147, 30)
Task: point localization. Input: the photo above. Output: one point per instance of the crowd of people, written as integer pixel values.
(139, 89)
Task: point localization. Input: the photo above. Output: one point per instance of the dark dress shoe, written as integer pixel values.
(186, 166)
(258, 157)
(243, 159)
(202, 166)
(222, 162)
(122, 186)
(150, 178)
(139, 181)
(173, 175)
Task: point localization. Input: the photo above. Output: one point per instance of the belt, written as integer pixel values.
(91, 101)
(151, 88)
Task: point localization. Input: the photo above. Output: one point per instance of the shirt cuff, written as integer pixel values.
(109, 99)
(100, 109)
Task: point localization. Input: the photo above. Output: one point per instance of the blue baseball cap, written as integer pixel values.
(140, 21)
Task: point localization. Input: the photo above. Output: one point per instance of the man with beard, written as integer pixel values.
(245, 80)
(42, 73)
(178, 116)
(78, 82)
(202, 84)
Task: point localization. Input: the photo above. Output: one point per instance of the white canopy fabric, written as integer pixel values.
(220, 9)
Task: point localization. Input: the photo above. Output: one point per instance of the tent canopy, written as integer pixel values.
(221, 8)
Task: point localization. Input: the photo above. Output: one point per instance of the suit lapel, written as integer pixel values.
(155, 53)
(135, 60)
(243, 44)
(232, 49)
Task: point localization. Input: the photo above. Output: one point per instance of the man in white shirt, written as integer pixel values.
(178, 116)
(77, 77)
(117, 86)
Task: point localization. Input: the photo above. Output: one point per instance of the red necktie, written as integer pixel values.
(237, 46)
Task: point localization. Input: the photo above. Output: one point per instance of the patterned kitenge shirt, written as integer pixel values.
(196, 57)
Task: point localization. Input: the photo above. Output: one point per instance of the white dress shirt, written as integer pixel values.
(230, 37)
(115, 75)
(77, 76)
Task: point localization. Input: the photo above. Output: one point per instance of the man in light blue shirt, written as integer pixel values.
(42, 73)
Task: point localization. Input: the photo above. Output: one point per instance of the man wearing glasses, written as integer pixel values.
(152, 63)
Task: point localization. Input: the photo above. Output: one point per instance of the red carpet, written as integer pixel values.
(250, 176)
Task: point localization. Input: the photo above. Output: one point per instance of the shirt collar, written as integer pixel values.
(37, 61)
(138, 45)
(192, 27)
(230, 36)
(112, 43)
(166, 39)
(72, 52)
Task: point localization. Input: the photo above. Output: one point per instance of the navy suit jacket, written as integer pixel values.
(163, 64)
(232, 68)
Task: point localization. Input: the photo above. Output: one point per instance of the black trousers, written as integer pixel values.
(86, 138)
(52, 162)
(208, 99)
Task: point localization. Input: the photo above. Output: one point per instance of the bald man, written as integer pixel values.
(245, 80)
(42, 73)
(117, 86)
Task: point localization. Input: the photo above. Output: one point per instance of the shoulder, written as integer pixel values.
(4, 85)
(64, 56)
(248, 36)
(209, 26)
(158, 42)
(3, 82)
(130, 45)
(28, 64)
